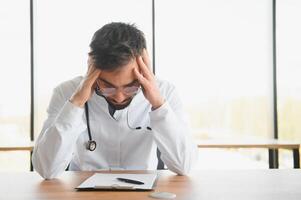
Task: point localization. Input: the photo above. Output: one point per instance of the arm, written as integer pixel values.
(171, 130)
(55, 144)
(172, 135)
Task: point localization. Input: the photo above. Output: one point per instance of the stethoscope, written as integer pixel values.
(91, 144)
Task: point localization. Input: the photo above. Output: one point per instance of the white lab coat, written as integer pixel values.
(64, 135)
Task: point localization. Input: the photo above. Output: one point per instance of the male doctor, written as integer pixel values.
(117, 115)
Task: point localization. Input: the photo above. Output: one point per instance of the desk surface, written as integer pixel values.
(202, 184)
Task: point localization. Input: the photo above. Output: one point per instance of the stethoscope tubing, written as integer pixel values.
(91, 145)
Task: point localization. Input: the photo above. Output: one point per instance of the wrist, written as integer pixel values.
(77, 102)
(157, 104)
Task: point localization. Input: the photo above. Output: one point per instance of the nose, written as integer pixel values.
(119, 97)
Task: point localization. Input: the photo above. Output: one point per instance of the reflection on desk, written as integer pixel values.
(203, 184)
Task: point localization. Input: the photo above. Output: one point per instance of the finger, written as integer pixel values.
(90, 62)
(142, 80)
(93, 74)
(146, 58)
(94, 86)
(144, 69)
(91, 66)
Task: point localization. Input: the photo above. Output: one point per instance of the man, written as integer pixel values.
(117, 115)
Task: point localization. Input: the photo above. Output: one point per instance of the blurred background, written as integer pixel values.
(235, 64)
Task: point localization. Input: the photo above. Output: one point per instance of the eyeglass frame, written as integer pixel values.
(100, 91)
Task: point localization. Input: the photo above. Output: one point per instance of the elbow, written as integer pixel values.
(42, 167)
(183, 172)
(180, 170)
(190, 160)
(184, 166)
(46, 173)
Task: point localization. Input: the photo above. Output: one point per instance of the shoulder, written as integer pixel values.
(67, 88)
(166, 88)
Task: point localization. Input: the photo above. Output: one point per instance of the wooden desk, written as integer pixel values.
(203, 184)
(271, 145)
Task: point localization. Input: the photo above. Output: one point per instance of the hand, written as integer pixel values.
(86, 87)
(147, 80)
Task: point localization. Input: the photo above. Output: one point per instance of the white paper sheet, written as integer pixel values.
(109, 181)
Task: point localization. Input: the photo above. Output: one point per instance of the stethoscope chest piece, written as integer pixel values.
(91, 145)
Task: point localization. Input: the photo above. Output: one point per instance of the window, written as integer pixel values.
(63, 39)
(15, 80)
(289, 73)
(220, 56)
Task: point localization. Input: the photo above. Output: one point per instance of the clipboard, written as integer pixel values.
(106, 181)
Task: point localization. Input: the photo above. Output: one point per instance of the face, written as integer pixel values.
(119, 86)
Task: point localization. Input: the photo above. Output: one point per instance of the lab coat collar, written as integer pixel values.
(102, 104)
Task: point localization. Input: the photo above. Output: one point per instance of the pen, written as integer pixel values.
(130, 181)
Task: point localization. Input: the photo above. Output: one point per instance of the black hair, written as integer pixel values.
(115, 44)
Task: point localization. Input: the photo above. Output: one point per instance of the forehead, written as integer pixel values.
(122, 76)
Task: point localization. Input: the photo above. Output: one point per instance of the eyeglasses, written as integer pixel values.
(104, 90)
